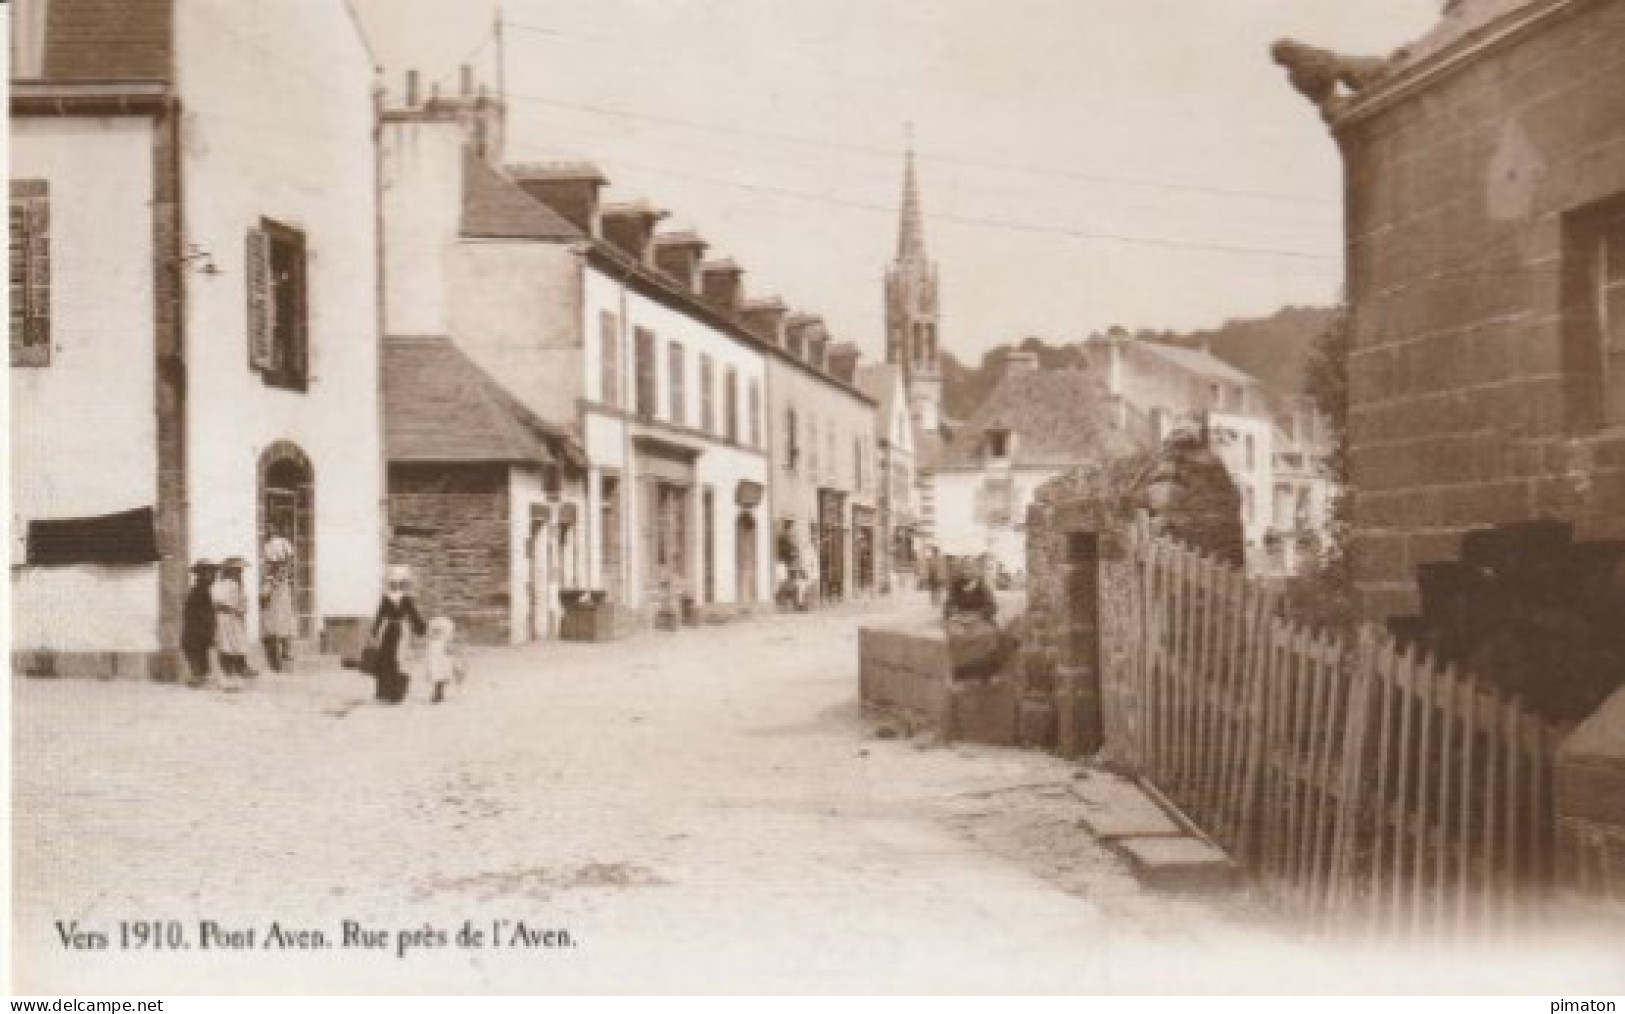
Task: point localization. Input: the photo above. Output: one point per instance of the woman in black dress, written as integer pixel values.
(197, 623)
(397, 613)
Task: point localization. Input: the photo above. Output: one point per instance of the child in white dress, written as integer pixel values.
(443, 661)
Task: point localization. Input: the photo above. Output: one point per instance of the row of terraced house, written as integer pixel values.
(344, 316)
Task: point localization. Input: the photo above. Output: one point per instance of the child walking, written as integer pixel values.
(443, 661)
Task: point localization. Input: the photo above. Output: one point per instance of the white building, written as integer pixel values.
(824, 470)
(898, 498)
(1033, 427)
(1173, 387)
(195, 360)
(487, 498)
(629, 347)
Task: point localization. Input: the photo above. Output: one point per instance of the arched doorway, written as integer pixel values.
(287, 507)
(745, 552)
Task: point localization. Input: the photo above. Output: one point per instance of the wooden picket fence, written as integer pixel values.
(1358, 784)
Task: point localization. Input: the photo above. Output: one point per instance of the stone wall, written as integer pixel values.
(1590, 819)
(1081, 610)
(906, 676)
(1471, 403)
(449, 523)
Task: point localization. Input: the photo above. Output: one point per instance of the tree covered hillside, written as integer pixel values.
(1273, 349)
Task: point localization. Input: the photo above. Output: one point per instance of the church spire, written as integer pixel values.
(911, 234)
(912, 308)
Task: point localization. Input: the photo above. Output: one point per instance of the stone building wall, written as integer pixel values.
(449, 523)
(1472, 401)
(1082, 616)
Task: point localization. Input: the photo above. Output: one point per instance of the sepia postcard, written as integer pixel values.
(755, 496)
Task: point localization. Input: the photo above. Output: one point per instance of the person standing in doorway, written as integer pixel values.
(397, 619)
(197, 624)
(231, 622)
(277, 622)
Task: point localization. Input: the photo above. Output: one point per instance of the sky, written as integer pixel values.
(1083, 163)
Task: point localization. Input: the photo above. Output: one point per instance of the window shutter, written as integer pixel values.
(30, 263)
(261, 308)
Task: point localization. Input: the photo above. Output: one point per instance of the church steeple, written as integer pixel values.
(911, 234)
(911, 306)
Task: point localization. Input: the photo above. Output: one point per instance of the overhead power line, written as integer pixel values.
(988, 222)
(892, 153)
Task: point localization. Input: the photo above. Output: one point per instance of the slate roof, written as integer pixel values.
(1196, 361)
(109, 40)
(441, 407)
(1059, 418)
(495, 207)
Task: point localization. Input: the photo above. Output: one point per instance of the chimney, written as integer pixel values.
(677, 254)
(764, 318)
(569, 188)
(843, 362)
(1019, 361)
(631, 227)
(465, 81)
(412, 89)
(722, 285)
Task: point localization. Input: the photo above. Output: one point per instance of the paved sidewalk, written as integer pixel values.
(703, 810)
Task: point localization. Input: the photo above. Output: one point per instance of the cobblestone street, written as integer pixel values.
(704, 810)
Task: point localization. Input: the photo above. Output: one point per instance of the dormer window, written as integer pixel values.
(998, 444)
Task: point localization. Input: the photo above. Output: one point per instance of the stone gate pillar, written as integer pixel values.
(1079, 614)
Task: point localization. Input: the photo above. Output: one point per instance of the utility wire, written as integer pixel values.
(479, 47)
(890, 153)
(1008, 225)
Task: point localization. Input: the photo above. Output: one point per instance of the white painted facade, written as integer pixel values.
(1246, 445)
(836, 451)
(611, 431)
(278, 123)
(505, 303)
(548, 556)
(421, 178)
(84, 428)
(962, 528)
(275, 120)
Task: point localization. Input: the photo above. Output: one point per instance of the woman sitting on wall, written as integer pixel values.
(970, 615)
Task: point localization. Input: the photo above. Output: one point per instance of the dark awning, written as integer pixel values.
(129, 537)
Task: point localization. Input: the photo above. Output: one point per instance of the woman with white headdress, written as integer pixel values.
(397, 618)
(277, 620)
